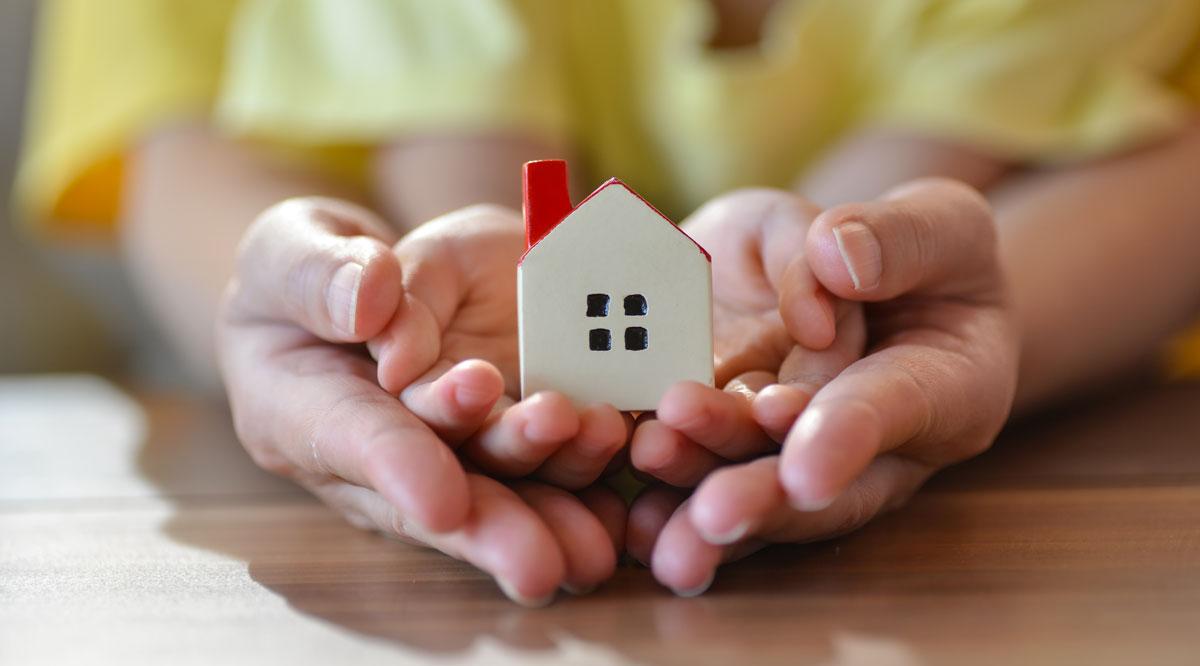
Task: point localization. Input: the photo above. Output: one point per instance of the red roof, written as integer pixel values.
(545, 193)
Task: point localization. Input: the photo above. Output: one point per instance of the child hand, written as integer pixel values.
(768, 364)
(314, 275)
(451, 355)
(934, 389)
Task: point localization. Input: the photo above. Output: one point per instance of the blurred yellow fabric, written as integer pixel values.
(631, 83)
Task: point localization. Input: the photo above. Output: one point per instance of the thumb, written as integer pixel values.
(933, 237)
(323, 264)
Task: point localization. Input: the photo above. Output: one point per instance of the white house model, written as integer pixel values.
(614, 301)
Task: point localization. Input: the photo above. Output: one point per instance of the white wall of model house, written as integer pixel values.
(612, 247)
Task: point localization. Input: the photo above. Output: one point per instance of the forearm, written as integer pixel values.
(189, 196)
(868, 163)
(1103, 263)
(419, 178)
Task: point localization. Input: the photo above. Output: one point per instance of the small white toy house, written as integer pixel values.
(615, 301)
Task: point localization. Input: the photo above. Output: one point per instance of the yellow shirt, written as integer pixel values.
(631, 83)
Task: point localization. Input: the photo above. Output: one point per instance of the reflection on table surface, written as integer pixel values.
(134, 530)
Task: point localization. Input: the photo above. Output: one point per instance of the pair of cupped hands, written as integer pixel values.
(858, 350)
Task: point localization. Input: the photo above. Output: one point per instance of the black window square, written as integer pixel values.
(597, 305)
(599, 339)
(635, 305)
(636, 338)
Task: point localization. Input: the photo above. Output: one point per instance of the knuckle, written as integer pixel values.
(363, 249)
(767, 201)
(358, 519)
(858, 211)
(304, 279)
(257, 442)
(976, 445)
(269, 459)
(231, 308)
(860, 506)
(478, 217)
(487, 210)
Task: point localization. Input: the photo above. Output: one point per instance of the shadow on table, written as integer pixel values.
(377, 587)
(787, 603)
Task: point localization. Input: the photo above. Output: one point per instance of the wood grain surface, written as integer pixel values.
(134, 530)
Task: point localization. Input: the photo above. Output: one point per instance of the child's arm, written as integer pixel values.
(419, 178)
(868, 163)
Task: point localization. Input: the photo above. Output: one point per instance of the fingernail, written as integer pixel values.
(510, 591)
(729, 536)
(810, 504)
(696, 591)
(578, 591)
(794, 475)
(342, 298)
(861, 253)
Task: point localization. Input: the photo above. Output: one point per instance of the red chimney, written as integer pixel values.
(547, 200)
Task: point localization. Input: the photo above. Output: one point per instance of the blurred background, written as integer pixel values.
(63, 307)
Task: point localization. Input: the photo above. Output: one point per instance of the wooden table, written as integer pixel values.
(133, 530)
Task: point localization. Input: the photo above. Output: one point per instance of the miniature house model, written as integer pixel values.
(615, 301)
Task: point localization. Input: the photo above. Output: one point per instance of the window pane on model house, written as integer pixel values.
(597, 305)
(636, 338)
(599, 339)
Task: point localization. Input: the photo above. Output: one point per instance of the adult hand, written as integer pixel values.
(934, 388)
(317, 277)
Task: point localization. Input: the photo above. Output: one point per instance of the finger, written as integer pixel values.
(682, 560)
(666, 454)
(806, 371)
(810, 317)
(733, 502)
(720, 421)
(318, 410)
(610, 510)
(648, 514)
(445, 258)
(886, 484)
(408, 347)
(773, 406)
(369, 440)
(603, 431)
(941, 405)
(587, 548)
(502, 535)
(455, 400)
(930, 236)
(445, 261)
(776, 408)
(517, 439)
(738, 509)
(320, 263)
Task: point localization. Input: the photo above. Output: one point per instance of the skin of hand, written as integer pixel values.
(769, 361)
(935, 386)
(451, 354)
(314, 279)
